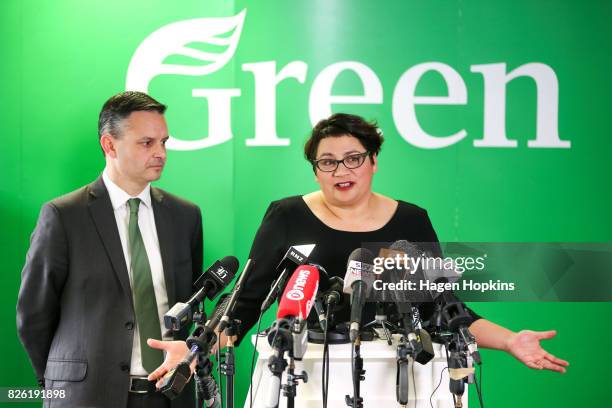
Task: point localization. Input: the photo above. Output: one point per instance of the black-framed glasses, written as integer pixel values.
(350, 162)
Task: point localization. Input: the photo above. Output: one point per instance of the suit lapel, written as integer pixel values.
(163, 224)
(102, 213)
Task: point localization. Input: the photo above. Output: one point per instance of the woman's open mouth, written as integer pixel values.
(345, 185)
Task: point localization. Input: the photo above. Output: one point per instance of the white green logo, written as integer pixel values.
(151, 59)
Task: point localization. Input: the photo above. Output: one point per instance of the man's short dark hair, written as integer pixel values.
(341, 124)
(120, 106)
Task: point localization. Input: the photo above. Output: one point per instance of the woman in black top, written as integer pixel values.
(290, 221)
(339, 218)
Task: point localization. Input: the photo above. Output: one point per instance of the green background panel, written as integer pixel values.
(63, 59)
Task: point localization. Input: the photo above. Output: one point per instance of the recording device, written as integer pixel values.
(358, 278)
(209, 285)
(296, 255)
(176, 379)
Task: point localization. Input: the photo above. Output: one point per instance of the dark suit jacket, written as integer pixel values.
(75, 313)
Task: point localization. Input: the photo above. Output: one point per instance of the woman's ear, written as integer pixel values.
(374, 157)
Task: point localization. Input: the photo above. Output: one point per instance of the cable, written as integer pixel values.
(325, 367)
(253, 360)
(353, 373)
(221, 387)
(438, 386)
(447, 358)
(480, 375)
(414, 385)
(479, 388)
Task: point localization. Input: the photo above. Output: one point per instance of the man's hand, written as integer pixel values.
(175, 352)
(525, 347)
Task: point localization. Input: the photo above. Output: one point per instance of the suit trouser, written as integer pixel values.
(148, 400)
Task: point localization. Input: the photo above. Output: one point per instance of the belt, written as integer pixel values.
(140, 385)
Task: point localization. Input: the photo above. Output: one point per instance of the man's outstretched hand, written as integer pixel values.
(175, 352)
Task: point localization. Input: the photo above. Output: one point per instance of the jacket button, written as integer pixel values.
(124, 366)
(129, 325)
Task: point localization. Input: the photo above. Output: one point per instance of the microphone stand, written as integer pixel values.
(380, 319)
(408, 346)
(404, 349)
(358, 375)
(202, 339)
(228, 367)
(280, 338)
(290, 389)
(206, 391)
(457, 360)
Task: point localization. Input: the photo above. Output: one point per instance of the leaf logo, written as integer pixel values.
(187, 40)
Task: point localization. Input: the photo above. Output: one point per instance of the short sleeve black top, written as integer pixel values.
(289, 222)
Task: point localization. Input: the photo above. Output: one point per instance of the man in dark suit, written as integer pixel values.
(105, 263)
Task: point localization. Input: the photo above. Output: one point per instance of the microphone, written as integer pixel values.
(296, 255)
(233, 299)
(288, 332)
(324, 284)
(358, 279)
(217, 277)
(299, 294)
(457, 319)
(221, 272)
(331, 299)
(333, 296)
(421, 347)
(218, 311)
(293, 309)
(209, 285)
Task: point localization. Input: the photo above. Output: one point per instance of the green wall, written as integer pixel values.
(61, 60)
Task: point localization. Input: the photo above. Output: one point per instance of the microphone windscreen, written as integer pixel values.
(218, 276)
(300, 292)
(360, 266)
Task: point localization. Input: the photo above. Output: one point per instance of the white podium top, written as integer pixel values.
(379, 361)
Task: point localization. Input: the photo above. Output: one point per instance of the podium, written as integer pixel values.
(378, 389)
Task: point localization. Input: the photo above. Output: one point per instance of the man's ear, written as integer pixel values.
(108, 144)
(374, 157)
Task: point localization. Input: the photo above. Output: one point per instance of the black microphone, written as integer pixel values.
(209, 285)
(419, 340)
(175, 380)
(333, 297)
(217, 277)
(296, 255)
(357, 281)
(318, 301)
(218, 311)
(233, 298)
(457, 319)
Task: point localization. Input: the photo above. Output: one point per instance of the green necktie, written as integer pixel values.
(145, 303)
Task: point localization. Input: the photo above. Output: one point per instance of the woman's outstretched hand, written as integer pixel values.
(525, 347)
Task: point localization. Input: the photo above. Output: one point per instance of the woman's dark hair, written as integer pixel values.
(341, 124)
